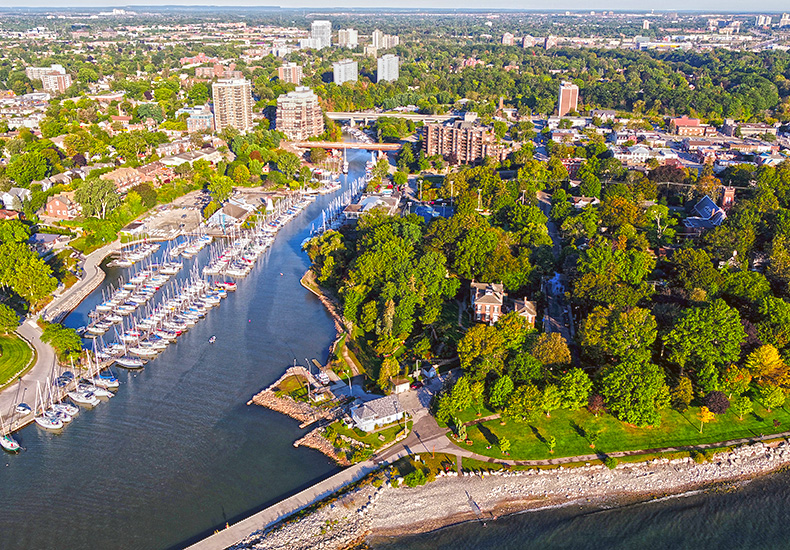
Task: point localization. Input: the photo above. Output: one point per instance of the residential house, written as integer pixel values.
(15, 197)
(209, 154)
(584, 202)
(526, 309)
(377, 413)
(399, 384)
(157, 173)
(706, 214)
(230, 215)
(368, 203)
(9, 214)
(124, 178)
(487, 300)
(63, 207)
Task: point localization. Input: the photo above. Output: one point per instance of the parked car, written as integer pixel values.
(416, 385)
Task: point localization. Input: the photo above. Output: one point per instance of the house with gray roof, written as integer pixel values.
(377, 413)
(487, 300)
(706, 214)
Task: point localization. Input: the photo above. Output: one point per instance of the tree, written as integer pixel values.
(241, 175)
(552, 399)
(707, 337)
(742, 406)
(596, 404)
(551, 350)
(619, 334)
(772, 397)
(693, 268)
(98, 197)
(220, 188)
(735, 381)
(635, 392)
(766, 365)
(660, 225)
(500, 392)
(704, 417)
(317, 155)
(551, 441)
(14, 231)
(504, 445)
(575, 387)
(461, 394)
(717, 402)
(389, 368)
(524, 403)
(28, 167)
(477, 391)
(9, 320)
(288, 163)
(682, 394)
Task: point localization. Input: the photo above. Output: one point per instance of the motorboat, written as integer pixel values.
(23, 409)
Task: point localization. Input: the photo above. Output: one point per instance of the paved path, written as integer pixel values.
(26, 389)
(265, 518)
(94, 275)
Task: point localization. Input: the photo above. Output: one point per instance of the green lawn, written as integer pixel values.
(528, 439)
(294, 386)
(16, 356)
(372, 439)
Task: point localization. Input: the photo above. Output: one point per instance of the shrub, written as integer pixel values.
(610, 462)
(415, 478)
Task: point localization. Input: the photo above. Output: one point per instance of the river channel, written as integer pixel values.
(176, 453)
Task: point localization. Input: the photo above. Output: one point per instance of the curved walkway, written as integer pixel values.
(94, 275)
(25, 389)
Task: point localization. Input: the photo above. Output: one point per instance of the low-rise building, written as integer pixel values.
(685, 126)
(209, 154)
(63, 207)
(370, 202)
(123, 178)
(706, 214)
(748, 129)
(487, 300)
(526, 309)
(14, 198)
(377, 413)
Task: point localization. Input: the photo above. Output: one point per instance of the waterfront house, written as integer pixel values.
(63, 207)
(377, 413)
(486, 300)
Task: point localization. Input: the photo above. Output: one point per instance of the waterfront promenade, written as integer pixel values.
(265, 518)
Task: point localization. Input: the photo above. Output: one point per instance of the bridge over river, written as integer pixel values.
(346, 145)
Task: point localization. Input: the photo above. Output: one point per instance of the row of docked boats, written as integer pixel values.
(190, 247)
(333, 216)
(129, 297)
(129, 256)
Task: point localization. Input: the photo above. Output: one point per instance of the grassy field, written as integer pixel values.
(529, 440)
(16, 355)
(376, 439)
(294, 386)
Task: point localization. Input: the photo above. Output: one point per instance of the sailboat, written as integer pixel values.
(7, 442)
(47, 419)
(345, 162)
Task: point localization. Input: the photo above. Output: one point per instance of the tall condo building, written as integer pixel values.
(348, 38)
(462, 142)
(299, 114)
(232, 104)
(569, 98)
(345, 70)
(384, 41)
(54, 78)
(291, 73)
(508, 39)
(387, 68)
(321, 33)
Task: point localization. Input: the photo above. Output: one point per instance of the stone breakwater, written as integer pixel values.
(299, 410)
(315, 440)
(387, 511)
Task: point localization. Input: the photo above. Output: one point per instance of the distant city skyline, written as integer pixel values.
(713, 6)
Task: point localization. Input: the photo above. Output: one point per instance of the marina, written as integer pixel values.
(179, 428)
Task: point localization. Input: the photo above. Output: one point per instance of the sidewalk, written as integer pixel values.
(26, 390)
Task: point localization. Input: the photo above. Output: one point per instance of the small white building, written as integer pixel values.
(377, 413)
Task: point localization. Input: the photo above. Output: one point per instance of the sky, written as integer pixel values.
(718, 6)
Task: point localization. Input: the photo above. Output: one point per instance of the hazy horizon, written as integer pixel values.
(713, 6)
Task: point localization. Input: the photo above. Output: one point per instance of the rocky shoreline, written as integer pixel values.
(369, 512)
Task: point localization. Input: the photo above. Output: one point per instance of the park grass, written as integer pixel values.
(529, 439)
(16, 357)
(294, 386)
(389, 433)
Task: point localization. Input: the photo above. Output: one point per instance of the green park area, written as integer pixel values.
(15, 356)
(575, 431)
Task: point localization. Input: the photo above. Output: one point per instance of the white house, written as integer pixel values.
(13, 195)
(379, 412)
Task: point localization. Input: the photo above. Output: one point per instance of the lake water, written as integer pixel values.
(176, 453)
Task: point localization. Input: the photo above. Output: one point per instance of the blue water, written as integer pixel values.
(749, 515)
(176, 453)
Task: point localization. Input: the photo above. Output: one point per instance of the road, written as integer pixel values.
(558, 314)
(416, 117)
(26, 389)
